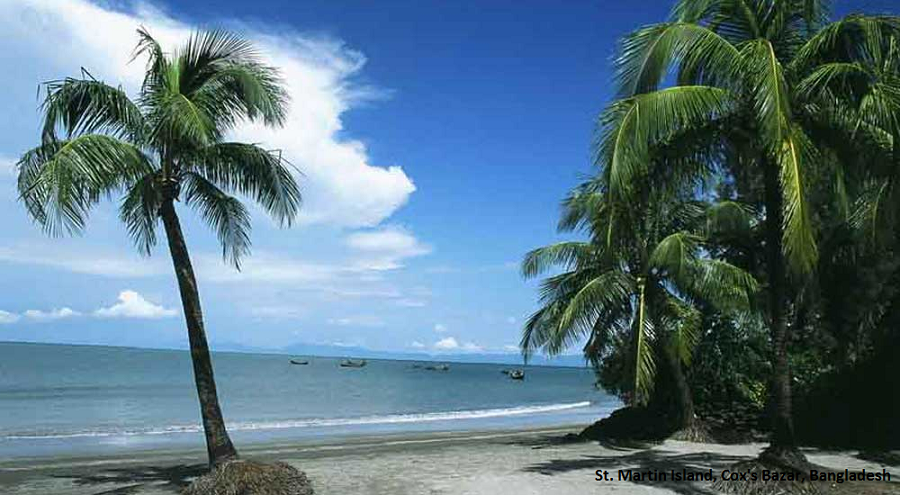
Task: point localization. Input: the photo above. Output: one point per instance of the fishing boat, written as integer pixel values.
(517, 374)
(353, 363)
(301, 362)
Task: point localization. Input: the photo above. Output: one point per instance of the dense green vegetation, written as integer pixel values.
(741, 226)
(164, 147)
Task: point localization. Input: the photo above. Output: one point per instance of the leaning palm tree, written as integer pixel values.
(743, 69)
(163, 147)
(640, 293)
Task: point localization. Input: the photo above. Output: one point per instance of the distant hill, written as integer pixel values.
(356, 352)
(361, 352)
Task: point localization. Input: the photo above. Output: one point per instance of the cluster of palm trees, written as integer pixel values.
(740, 129)
(167, 146)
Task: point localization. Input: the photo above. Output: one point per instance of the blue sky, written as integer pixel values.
(436, 140)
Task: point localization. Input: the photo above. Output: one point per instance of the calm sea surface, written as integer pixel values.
(72, 400)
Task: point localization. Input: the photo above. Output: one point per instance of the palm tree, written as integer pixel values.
(639, 293)
(743, 73)
(166, 146)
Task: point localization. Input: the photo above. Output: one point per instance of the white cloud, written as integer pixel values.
(341, 186)
(7, 317)
(472, 347)
(7, 166)
(133, 305)
(440, 327)
(417, 345)
(385, 248)
(511, 348)
(451, 344)
(54, 314)
(446, 344)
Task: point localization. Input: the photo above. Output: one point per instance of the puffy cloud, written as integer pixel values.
(54, 314)
(7, 317)
(385, 248)
(55, 38)
(451, 344)
(133, 305)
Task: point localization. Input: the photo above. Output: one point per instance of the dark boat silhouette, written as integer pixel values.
(438, 367)
(351, 363)
(517, 374)
(301, 362)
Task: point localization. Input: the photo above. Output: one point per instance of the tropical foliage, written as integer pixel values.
(765, 106)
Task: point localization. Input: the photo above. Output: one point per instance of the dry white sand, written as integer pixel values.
(490, 463)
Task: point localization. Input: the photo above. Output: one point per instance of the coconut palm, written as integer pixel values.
(743, 69)
(163, 147)
(640, 293)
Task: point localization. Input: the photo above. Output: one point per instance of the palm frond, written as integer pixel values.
(562, 255)
(86, 106)
(139, 212)
(60, 181)
(252, 171)
(646, 56)
(224, 213)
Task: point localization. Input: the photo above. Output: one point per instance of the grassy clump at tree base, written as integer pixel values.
(242, 477)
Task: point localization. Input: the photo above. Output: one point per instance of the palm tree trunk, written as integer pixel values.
(218, 444)
(783, 440)
(684, 401)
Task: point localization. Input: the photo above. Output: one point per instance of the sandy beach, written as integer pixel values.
(519, 462)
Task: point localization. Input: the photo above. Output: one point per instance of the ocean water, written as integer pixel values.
(58, 400)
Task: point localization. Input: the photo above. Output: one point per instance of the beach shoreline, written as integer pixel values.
(520, 462)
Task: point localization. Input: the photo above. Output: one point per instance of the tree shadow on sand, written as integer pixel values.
(172, 478)
(643, 460)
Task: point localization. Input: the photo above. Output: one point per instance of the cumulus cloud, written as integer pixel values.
(133, 305)
(385, 248)
(7, 317)
(451, 344)
(53, 314)
(340, 184)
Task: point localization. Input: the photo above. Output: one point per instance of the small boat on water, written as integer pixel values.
(301, 362)
(517, 374)
(353, 363)
(438, 367)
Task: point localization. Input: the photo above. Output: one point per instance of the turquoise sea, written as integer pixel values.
(59, 400)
